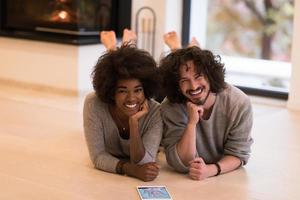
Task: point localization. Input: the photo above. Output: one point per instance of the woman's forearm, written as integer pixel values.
(137, 149)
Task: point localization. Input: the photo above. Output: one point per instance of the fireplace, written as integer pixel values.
(64, 21)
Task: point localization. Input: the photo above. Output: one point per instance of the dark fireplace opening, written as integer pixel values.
(63, 21)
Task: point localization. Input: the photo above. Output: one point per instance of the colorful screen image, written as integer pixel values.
(153, 192)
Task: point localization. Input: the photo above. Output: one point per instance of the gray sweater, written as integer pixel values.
(105, 145)
(226, 132)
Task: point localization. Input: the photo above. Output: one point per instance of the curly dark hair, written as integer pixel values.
(124, 63)
(205, 62)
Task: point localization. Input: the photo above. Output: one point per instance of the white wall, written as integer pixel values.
(68, 67)
(294, 95)
(38, 62)
(199, 21)
(86, 60)
(168, 15)
(60, 66)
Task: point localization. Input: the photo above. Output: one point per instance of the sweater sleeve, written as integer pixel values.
(93, 130)
(239, 138)
(152, 134)
(175, 122)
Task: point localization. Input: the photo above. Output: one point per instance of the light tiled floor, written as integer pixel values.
(43, 155)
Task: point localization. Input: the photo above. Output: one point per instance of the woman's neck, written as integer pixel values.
(119, 117)
(118, 113)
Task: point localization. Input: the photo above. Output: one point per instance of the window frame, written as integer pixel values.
(185, 38)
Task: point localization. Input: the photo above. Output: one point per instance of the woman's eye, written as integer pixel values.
(122, 91)
(139, 90)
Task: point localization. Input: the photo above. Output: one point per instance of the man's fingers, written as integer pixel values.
(194, 176)
(194, 171)
(199, 160)
(195, 165)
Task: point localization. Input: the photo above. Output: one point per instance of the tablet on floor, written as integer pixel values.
(153, 193)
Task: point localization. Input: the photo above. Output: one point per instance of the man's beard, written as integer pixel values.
(201, 102)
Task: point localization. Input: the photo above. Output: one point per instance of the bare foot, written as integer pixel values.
(108, 39)
(129, 36)
(194, 43)
(172, 40)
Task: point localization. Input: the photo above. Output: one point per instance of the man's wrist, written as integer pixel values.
(219, 170)
(191, 124)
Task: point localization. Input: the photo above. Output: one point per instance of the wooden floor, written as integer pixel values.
(43, 155)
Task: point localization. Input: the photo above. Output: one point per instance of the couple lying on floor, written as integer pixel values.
(204, 123)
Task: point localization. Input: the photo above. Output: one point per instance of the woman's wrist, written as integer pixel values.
(129, 169)
(120, 167)
(133, 122)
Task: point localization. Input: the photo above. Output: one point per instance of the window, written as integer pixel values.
(253, 38)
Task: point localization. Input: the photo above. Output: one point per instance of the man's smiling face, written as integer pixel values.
(193, 85)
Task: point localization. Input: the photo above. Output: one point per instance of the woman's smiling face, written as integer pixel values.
(129, 96)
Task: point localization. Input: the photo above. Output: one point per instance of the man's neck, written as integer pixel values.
(209, 104)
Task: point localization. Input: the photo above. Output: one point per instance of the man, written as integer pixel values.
(207, 121)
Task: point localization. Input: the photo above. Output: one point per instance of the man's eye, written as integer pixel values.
(198, 76)
(182, 81)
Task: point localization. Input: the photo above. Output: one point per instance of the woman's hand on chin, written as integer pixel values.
(144, 109)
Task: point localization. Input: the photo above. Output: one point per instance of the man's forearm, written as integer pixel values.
(229, 163)
(186, 147)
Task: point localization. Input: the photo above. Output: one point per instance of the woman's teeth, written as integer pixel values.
(130, 105)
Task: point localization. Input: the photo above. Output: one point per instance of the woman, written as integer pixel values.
(122, 124)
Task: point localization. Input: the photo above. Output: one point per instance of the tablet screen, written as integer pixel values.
(153, 193)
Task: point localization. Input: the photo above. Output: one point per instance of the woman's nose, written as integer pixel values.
(131, 96)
